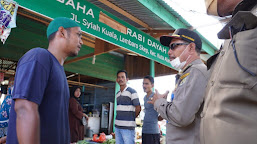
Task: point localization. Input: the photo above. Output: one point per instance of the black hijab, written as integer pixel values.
(72, 91)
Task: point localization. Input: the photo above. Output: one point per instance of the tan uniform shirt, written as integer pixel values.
(230, 109)
(182, 113)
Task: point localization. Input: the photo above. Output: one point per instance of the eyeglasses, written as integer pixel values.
(173, 46)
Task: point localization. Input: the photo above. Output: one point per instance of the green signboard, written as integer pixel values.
(87, 15)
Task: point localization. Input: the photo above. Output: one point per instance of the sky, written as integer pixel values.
(194, 12)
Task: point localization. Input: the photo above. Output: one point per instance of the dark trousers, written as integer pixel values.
(150, 138)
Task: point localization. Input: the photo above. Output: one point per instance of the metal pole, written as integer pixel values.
(152, 69)
(94, 98)
(82, 96)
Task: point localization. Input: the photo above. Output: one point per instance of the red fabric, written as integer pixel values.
(75, 116)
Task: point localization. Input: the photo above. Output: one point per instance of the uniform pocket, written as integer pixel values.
(231, 74)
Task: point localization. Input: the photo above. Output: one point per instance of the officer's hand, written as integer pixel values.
(157, 95)
(165, 95)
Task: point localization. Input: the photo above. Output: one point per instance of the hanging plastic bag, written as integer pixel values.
(8, 14)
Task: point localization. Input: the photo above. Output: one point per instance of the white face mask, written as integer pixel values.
(176, 63)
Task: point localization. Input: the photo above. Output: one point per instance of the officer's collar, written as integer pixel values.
(197, 61)
(245, 5)
(186, 68)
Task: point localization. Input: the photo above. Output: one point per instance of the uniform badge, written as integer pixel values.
(183, 79)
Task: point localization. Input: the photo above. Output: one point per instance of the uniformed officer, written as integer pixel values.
(182, 113)
(230, 109)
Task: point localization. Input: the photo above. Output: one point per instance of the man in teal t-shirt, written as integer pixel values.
(150, 132)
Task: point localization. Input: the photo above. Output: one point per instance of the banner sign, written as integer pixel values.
(8, 14)
(88, 16)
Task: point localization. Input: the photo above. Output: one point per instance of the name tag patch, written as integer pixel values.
(183, 79)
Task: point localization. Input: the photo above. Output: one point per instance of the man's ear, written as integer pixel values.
(61, 31)
(192, 47)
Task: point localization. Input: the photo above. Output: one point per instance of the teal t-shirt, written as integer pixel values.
(150, 125)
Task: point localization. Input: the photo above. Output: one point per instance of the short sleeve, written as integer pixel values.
(135, 99)
(30, 81)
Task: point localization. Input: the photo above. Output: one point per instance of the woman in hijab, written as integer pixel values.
(75, 115)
